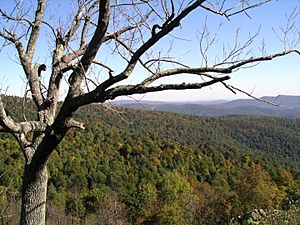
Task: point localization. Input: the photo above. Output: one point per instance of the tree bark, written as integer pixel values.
(33, 209)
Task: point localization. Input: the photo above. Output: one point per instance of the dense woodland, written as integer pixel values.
(141, 167)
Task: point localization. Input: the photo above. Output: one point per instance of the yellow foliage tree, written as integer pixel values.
(255, 189)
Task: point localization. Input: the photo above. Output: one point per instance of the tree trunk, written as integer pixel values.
(34, 191)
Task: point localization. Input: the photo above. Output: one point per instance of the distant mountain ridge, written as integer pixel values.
(288, 106)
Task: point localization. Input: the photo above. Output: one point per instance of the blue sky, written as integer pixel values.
(281, 76)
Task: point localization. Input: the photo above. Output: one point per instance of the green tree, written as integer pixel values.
(256, 189)
(174, 196)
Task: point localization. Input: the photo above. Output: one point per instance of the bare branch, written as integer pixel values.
(250, 95)
(176, 71)
(214, 69)
(14, 39)
(31, 71)
(241, 7)
(87, 59)
(262, 58)
(245, 9)
(23, 127)
(141, 89)
(117, 33)
(237, 50)
(17, 19)
(39, 14)
(132, 52)
(289, 34)
(71, 123)
(104, 66)
(66, 59)
(166, 60)
(148, 44)
(6, 121)
(75, 24)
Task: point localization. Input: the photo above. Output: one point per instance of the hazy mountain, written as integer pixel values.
(289, 106)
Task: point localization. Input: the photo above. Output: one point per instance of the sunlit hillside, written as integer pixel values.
(141, 167)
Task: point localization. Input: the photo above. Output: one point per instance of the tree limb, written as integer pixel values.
(39, 14)
(148, 44)
(241, 63)
(23, 127)
(141, 89)
(177, 71)
(75, 24)
(25, 57)
(4, 14)
(87, 59)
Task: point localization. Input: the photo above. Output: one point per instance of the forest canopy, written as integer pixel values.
(164, 168)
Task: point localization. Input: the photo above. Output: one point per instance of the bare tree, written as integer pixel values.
(127, 30)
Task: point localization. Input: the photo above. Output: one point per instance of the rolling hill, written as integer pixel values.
(149, 167)
(283, 106)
